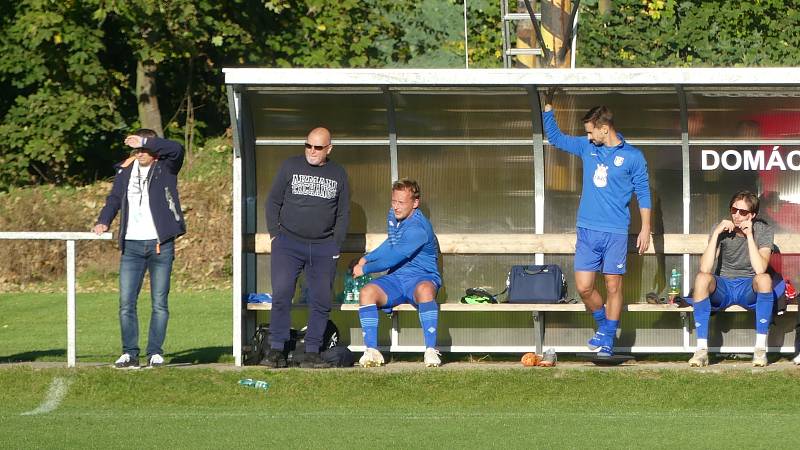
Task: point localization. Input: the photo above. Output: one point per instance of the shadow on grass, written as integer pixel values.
(34, 355)
(202, 355)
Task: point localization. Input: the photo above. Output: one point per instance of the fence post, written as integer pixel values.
(70, 303)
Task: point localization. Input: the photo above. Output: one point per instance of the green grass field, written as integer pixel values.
(33, 327)
(189, 407)
(359, 408)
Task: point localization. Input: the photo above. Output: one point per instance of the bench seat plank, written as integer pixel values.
(516, 307)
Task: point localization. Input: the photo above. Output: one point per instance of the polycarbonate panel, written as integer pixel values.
(563, 187)
(639, 113)
(481, 113)
(717, 172)
(473, 329)
(368, 169)
(744, 113)
(264, 280)
(460, 272)
(645, 274)
(349, 114)
(473, 189)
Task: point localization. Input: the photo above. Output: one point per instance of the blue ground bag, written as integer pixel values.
(536, 284)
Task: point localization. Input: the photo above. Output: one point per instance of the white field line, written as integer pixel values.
(435, 415)
(56, 393)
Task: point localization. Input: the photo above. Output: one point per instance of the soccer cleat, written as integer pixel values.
(796, 359)
(313, 361)
(700, 358)
(606, 351)
(126, 361)
(371, 358)
(432, 357)
(760, 357)
(596, 341)
(155, 361)
(274, 359)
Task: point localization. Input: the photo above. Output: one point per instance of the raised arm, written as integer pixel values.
(167, 151)
(571, 144)
(759, 257)
(709, 256)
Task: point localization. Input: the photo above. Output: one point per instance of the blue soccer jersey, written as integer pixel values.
(411, 248)
(610, 176)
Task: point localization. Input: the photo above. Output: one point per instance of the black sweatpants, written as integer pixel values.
(318, 260)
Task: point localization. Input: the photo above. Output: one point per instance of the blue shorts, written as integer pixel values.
(739, 291)
(600, 250)
(400, 289)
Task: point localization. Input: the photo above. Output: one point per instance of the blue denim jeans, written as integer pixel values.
(138, 257)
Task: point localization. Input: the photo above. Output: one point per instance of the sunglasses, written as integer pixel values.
(316, 147)
(741, 212)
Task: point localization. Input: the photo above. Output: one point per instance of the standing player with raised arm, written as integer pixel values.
(612, 171)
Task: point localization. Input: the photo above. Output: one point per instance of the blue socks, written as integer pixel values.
(764, 303)
(429, 320)
(600, 317)
(368, 316)
(702, 314)
(610, 330)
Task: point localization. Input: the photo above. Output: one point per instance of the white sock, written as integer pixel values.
(761, 341)
(702, 344)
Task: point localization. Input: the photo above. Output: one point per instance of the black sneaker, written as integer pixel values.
(126, 361)
(274, 359)
(314, 361)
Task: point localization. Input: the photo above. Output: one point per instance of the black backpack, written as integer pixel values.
(260, 345)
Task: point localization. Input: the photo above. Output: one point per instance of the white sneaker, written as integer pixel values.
(700, 358)
(125, 361)
(760, 357)
(155, 361)
(371, 358)
(432, 357)
(796, 359)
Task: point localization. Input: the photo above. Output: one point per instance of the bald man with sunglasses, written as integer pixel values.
(734, 270)
(308, 211)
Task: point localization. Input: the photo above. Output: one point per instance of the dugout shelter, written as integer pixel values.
(498, 194)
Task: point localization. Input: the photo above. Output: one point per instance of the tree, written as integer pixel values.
(77, 76)
(671, 33)
(62, 98)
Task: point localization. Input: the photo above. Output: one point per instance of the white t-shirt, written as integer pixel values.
(140, 220)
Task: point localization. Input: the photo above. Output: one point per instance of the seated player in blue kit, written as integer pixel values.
(410, 254)
(734, 270)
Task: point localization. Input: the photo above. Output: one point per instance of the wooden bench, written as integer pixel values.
(538, 244)
(538, 312)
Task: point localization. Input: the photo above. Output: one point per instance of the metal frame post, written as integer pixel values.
(71, 303)
(236, 256)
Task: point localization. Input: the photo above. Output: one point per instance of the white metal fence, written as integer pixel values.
(70, 238)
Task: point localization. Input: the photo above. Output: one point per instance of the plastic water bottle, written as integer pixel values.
(674, 283)
(258, 384)
(349, 289)
(360, 282)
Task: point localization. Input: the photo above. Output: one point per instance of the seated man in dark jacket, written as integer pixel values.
(145, 190)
